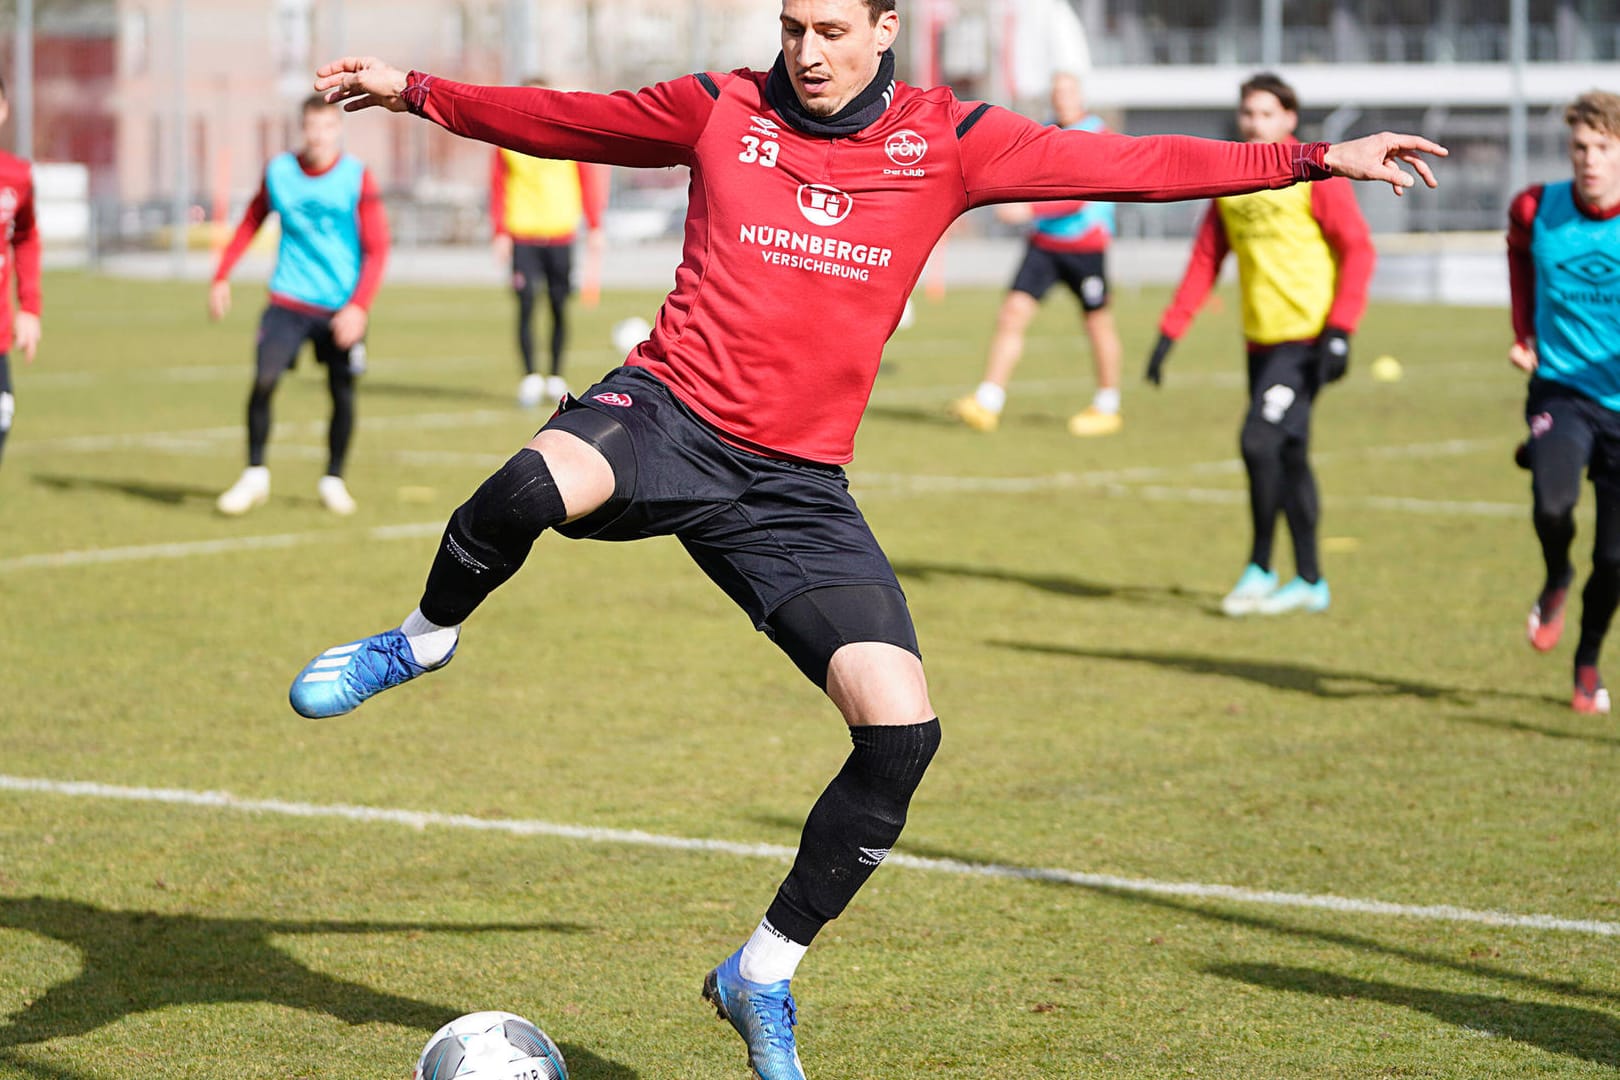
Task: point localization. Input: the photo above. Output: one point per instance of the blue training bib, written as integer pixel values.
(1577, 262)
(319, 260)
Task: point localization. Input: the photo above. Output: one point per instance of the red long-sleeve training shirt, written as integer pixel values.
(800, 250)
(20, 240)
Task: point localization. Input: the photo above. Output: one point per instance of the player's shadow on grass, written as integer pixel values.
(150, 491)
(1560, 1029)
(1505, 724)
(912, 414)
(138, 961)
(1327, 683)
(1057, 584)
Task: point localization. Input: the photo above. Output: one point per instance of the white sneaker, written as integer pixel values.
(1250, 592)
(531, 390)
(556, 387)
(335, 495)
(251, 489)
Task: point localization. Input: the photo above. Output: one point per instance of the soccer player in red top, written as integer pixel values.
(1563, 240)
(20, 239)
(818, 190)
(1305, 258)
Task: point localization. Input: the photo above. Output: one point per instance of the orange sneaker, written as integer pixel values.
(1590, 694)
(1546, 622)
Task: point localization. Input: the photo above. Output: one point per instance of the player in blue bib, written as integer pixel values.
(1564, 265)
(334, 241)
(1068, 242)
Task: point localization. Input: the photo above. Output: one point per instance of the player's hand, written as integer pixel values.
(219, 300)
(595, 242)
(25, 334)
(502, 247)
(1015, 213)
(1374, 157)
(349, 325)
(1524, 358)
(362, 82)
(1161, 353)
(1333, 354)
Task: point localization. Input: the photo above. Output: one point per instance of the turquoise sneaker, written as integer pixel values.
(339, 679)
(1297, 595)
(1254, 586)
(763, 1014)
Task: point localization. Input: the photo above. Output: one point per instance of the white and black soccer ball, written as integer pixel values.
(490, 1046)
(628, 333)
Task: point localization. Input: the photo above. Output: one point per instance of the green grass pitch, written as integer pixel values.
(1100, 717)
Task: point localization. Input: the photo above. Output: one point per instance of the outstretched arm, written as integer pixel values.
(654, 127)
(1008, 158)
(25, 251)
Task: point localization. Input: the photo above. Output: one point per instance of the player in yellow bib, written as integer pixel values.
(1305, 258)
(535, 207)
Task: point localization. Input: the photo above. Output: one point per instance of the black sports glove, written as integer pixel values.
(1161, 352)
(1333, 354)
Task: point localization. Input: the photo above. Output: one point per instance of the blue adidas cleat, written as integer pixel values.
(339, 679)
(763, 1014)
(1297, 595)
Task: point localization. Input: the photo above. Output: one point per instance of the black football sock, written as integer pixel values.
(1262, 456)
(258, 422)
(340, 381)
(1301, 509)
(489, 536)
(852, 826)
(526, 328)
(559, 328)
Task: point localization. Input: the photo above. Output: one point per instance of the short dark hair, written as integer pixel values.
(537, 80)
(1270, 83)
(1597, 109)
(877, 8)
(315, 101)
(2, 87)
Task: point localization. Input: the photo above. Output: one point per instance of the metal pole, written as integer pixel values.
(22, 89)
(1518, 123)
(1271, 24)
(180, 203)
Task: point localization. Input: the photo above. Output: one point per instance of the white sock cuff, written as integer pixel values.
(991, 396)
(769, 956)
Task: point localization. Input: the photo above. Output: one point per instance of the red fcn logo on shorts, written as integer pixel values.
(621, 400)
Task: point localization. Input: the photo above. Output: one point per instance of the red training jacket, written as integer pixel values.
(800, 251)
(20, 239)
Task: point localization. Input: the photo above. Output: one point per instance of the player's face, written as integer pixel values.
(323, 132)
(1262, 118)
(5, 109)
(832, 49)
(1595, 157)
(1068, 101)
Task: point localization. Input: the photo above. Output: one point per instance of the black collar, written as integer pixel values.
(862, 111)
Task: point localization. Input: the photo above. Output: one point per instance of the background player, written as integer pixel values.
(1305, 258)
(1562, 241)
(794, 227)
(20, 239)
(1068, 242)
(535, 207)
(334, 242)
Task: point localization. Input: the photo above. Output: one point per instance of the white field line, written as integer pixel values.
(186, 549)
(1390, 503)
(422, 819)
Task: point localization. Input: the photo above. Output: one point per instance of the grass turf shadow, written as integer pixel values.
(1058, 585)
(1319, 682)
(147, 490)
(1559, 1029)
(139, 961)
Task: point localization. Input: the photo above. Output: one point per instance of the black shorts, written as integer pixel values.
(1586, 431)
(282, 333)
(1084, 272)
(1283, 380)
(764, 530)
(548, 266)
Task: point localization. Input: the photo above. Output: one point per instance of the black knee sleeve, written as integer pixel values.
(490, 535)
(813, 625)
(852, 826)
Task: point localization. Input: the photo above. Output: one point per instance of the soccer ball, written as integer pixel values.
(629, 333)
(490, 1046)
